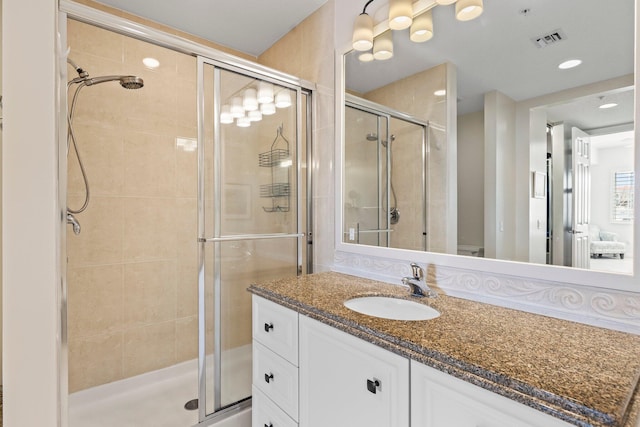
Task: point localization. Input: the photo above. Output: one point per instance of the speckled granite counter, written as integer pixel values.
(584, 375)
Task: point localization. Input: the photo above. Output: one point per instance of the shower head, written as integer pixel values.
(127, 82)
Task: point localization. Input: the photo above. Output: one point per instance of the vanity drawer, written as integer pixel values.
(276, 327)
(276, 378)
(265, 413)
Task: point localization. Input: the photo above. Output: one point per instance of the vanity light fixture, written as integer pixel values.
(400, 14)
(243, 122)
(254, 116)
(571, 63)
(268, 109)
(225, 115)
(265, 92)
(383, 46)
(466, 10)
(422, 27)
(415, 15)
(236, 109)
(366, 56)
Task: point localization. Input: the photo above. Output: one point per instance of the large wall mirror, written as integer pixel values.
(478, 143)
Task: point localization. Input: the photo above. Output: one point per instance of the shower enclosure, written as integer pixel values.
(190, 204)
(385, 179)
(250, 224)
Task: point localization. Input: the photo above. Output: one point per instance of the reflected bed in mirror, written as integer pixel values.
(476, 143)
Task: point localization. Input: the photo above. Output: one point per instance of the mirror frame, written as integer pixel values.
(534, 272)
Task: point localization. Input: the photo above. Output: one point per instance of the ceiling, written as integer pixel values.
(496, 51)
(249, 26)
(492, 52)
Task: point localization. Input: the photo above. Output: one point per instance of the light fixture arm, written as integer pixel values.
(364, 9)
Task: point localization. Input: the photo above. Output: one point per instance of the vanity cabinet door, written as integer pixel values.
(345, 381)
(440, 400)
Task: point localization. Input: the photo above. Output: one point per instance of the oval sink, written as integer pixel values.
(391, 308)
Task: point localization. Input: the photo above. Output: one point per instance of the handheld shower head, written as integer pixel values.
(127, 82)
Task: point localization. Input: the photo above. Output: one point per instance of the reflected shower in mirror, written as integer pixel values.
(523, 159)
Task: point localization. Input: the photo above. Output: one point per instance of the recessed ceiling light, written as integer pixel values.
(151, 62)
(608, 105)
(570, 64)
(440, 92)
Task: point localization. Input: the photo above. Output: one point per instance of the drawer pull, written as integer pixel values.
(373, 385)
(268, 425)
(268, 326)
(268, 377)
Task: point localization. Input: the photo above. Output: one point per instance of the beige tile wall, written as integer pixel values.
(415, 95)
(132, 271)
(307, 51)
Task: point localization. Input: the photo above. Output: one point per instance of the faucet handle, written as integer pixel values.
(417, 271)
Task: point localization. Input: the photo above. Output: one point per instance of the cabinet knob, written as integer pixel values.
(268, 326)
(374, 385)
(268, 377)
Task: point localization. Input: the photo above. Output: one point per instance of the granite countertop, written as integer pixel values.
(582, 374)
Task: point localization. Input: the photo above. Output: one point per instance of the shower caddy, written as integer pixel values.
(276, 159)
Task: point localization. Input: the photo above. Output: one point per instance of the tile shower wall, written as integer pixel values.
(131, 274)
(307, 51)
(415, 95)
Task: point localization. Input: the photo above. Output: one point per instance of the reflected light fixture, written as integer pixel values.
(416, 15)
(400, 14)
(236, 109)
(249, 100)
(243, 122)
(466, 10)
(268, 109)
(422, 27)
(152, 63)
(265, 92)
(283, 99)
(440, 92)
(383, 46)
(225, 115)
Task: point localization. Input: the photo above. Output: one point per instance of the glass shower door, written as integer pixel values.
(250, 225)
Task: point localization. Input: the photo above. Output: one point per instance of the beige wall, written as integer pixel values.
(471, 179)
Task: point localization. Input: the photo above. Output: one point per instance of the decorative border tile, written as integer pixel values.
(610, 309)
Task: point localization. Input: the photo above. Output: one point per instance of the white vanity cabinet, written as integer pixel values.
(275, 365)
(441, 400)
(345, 381)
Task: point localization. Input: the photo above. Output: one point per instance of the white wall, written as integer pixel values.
(471, 179)
(499, 182)
(537, 236)
(31, 216)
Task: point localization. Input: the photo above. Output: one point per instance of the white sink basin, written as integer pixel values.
(391, 308)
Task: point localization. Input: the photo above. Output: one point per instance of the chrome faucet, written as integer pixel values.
(417, 286)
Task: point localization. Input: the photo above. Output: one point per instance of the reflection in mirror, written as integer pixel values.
(539, 158)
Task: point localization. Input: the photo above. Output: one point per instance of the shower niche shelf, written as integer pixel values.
(278, 160)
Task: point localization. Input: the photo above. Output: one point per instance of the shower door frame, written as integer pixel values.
(302, 93)
(88, 15)
(379, 110)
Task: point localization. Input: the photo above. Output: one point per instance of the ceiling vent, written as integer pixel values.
(554, 37)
